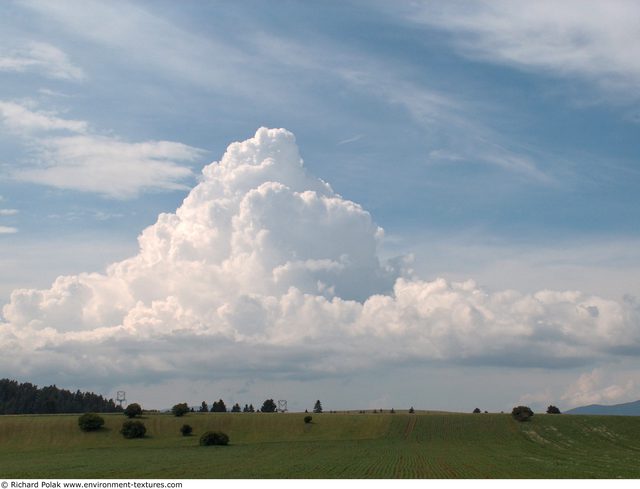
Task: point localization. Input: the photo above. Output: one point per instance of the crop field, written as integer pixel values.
(423, 445)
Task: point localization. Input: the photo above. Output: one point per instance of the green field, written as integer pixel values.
(431, 445)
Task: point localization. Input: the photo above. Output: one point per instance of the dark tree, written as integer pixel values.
(553, 410)
(268, 406)
(251, 408)
(133, 410)
(204, 407)
(476, 411)
(133, 429)
(245, 409)
(218, 407)
(393, 411)
(307, 419)
(186, 430)
(236, 408)
(411, 410)
(522, 413)
(90, 422)
(317, 408)
(180, 409)
(51, 406)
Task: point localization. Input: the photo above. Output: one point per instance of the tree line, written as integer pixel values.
(27, 398)
(268, 406)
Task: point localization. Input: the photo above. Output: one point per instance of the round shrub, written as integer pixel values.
(133, 429)
(522, 413)
(90, 422)
(186, 430)
(307, 419)
(214, 438)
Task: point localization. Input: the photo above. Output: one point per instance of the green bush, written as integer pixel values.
(522, 413)
(186, 430)
(90, 422)
(214, 438)
(307, 419)
(133, 429)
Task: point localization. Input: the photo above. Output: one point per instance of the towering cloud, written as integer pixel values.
(265, 268)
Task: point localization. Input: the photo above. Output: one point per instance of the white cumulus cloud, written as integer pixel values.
(594, 387)
(265, 269)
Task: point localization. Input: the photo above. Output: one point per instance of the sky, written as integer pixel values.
(375, 204)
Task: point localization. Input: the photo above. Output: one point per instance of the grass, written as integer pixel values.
(438, 445)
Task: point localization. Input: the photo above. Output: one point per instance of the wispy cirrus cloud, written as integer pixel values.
(254, 64)
(458, 125)
(20, 119)
(42, 58)
(109, 166)
(7, 213)
(89, 162)
(595, 41)
(157, 44)
(447, 119)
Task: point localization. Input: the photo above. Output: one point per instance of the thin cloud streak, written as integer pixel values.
(160, 45)
(41, 58)
(89, 162)
(441, 115)
(19, 119)
(593, 40)
(157, 44)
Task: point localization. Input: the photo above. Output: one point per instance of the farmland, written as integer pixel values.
(401, 445)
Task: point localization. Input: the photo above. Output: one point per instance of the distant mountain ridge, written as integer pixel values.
(624, 409)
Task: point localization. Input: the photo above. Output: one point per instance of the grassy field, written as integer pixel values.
(334, 446)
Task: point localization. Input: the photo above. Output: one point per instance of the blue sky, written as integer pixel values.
(494, 142)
